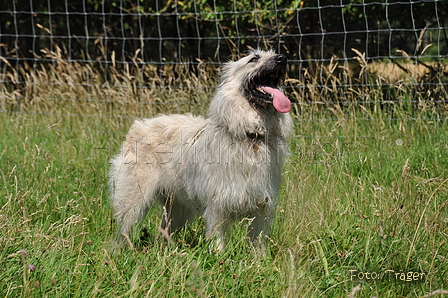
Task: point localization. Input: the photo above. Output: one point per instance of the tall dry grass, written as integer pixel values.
(142, 89)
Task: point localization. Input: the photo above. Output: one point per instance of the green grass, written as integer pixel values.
(366, 192)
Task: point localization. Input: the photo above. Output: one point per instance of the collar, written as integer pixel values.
(255, 136)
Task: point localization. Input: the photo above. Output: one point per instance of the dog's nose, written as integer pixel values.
(281, 59)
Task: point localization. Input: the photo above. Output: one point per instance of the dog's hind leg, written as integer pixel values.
(131, 203)
(131, 215)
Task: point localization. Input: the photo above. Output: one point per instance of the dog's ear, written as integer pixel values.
(226, 67)
(226, 71)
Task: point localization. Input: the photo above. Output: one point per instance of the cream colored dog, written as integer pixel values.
(223, 167)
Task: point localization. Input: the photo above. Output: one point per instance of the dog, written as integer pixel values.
(224, 167)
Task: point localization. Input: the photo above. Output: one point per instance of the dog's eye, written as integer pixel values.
(254, 59)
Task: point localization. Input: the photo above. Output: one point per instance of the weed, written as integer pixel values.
(363, 191)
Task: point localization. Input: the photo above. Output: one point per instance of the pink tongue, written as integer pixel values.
(280, 101)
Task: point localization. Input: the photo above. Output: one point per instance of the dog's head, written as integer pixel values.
(260, 75)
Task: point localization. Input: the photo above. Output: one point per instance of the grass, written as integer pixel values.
(363, 195)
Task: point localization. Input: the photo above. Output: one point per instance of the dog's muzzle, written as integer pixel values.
(264, 87)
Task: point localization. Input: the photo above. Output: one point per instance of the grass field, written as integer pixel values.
(363, 209)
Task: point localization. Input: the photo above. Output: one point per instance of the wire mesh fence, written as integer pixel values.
(339, 45)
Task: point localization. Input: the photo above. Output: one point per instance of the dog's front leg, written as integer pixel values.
(259, 230)
(216, 228)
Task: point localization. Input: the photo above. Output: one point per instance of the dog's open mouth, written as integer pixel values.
(264, 90)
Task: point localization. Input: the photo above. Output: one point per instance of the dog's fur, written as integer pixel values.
(223, 167)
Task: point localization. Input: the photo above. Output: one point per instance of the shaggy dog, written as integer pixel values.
(223, 167)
